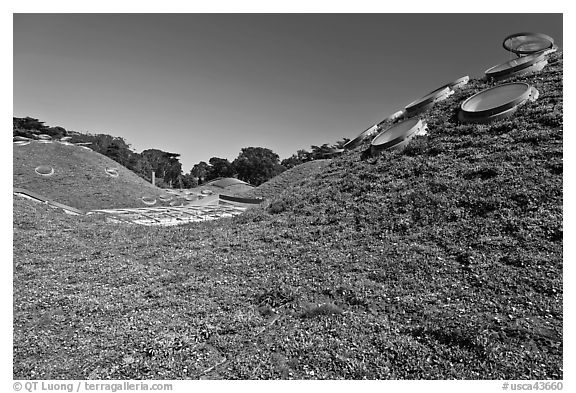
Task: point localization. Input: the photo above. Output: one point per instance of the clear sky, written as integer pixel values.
(205, 85)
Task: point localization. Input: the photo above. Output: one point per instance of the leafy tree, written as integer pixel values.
(319, 152)
(256, 165)
(340, 144)
(55, 132)
(200, 171)
(140, 166)
(189, 181)
(298, 158)
(166, 165)
(220, 167)
(119, 151)
(28, 123)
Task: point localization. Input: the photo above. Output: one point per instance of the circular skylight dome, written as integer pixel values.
(397, 136)
(113, 172)
(66, 143)
(44, 170)
(65, 138)
(165, 198)
(496, 102)
(527, 43)
(44, 137)
(363, 135)
(44, 141)
(458, 83)
(520, 66)
(21, 143)
(21, 138)
(428, 100)
(148, 200)
(86, 148)
(207, 192)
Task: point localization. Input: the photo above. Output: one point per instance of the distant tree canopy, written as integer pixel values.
(165, 165)
(189, 181)
(200, 171)
(27, 123)
(256, 165)
(220, 167)
(28, 126)
(340, 144)
(300, 157)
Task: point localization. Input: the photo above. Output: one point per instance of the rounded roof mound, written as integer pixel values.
(72, 176)
(225, 182)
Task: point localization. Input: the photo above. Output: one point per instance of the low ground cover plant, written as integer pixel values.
(443, 261)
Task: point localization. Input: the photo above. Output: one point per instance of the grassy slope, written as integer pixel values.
(444, 261)
(287, 179)
(79, 178)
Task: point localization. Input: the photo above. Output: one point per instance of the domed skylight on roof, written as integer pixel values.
(520, 66)
(113, 172)
(496, 102)
(397, 136)
(428, 101)
(149, 200)
(361, 137)
(528, 43)
(44, 170)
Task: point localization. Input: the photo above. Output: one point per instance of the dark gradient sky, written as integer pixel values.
(205, 85)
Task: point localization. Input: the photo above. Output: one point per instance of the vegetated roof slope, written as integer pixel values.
(287, 179)
(79, 178)
(443, 261)
(475, 215)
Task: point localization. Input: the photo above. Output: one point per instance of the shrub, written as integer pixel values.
(277, 207)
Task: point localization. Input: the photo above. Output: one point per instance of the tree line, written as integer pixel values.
(254, 165)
